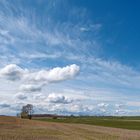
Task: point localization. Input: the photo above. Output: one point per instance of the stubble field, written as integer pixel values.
(12, 128)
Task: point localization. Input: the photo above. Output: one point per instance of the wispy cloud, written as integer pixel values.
(38, 48)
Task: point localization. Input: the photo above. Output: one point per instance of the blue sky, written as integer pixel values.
(70, 57)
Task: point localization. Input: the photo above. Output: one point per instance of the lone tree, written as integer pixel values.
(27, 111)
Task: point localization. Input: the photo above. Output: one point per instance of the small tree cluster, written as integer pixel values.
(27, 111)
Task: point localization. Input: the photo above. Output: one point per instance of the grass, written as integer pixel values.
(132, 123)
(12, 128)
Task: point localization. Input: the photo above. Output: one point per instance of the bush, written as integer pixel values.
(54, 117)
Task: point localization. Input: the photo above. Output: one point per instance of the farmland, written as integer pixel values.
(12, 128)
(132, 123)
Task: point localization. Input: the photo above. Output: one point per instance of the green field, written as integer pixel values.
(132, 123)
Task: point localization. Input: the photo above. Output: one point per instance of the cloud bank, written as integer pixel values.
(13, 72)
(33, 81)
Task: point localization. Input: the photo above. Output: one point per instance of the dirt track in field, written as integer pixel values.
(12, 128)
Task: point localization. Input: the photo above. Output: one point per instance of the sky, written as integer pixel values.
(77, 57)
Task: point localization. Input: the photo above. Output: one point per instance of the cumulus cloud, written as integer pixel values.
(119, 105)
(39, 97)
(77, 108)
(71, 108)
(55, 74)
(33, 81)
(4, 105)
(30, 88)
(120, 112)
(21, 96)
(12, 72)
(54, 98)
(102, 105)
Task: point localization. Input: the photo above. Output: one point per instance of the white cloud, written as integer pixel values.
(34, 81)
(120, 112)
(54, 75)
(4, 105)
(92, 27)
(30, 88)
(81, 109)
(37, 55)
(58, 98)
(40, 97)
(119, 106)
(77, 108)
(12, 72)
(84, 29)
(21, 96)
(102, 105)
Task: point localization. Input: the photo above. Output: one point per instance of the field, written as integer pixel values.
(12, 128)
(132, 123)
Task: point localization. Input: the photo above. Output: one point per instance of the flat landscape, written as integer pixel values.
(125, 122)
(12, 128)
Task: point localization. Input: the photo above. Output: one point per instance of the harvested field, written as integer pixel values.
(21, 129)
